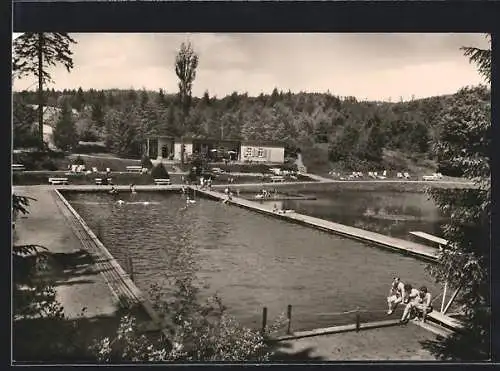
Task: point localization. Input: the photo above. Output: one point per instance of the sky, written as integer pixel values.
(389, 66)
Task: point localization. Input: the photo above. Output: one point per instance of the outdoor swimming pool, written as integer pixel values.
(250, 259)
(390, 213)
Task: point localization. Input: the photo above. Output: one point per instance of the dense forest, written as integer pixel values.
(330, 131)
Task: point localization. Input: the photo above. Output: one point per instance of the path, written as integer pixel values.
(82, 285)
(370, 345)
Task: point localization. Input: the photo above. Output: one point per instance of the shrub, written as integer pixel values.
(146, 162)
(90, 148)
(39, 160)
(159, 172)
(79, 161)
(48, 164)
(290, 166)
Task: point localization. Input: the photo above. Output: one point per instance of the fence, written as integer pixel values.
(351, 320)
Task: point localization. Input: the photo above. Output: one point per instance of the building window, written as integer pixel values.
(260, 152)
(248, 152)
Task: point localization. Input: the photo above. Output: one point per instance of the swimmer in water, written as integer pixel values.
(120, 202)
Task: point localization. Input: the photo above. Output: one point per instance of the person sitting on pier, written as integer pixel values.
(419, 304)
(396, 294)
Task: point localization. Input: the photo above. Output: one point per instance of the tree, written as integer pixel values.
(343, 147)
(206, 98)
(480, 57)
(23, 117)
(65, 132)
(86, 128)
(186, 63)
(465, 142)
(161, 98)
(144, 98)
(200, 332)
(374, 143)
(419, 137)
(33, 53)
(79, 100)
(97, 114)
(122, 132)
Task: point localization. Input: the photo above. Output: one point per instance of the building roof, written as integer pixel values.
(262, 143)
(153, 136)
(188, 139)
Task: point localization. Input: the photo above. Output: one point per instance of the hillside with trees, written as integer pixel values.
(330, 131)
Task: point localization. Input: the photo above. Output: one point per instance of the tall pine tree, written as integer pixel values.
(33, 53)
(65, 136)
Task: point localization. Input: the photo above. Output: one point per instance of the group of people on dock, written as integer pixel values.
(206, 183)
(264, 193)
(417, 302)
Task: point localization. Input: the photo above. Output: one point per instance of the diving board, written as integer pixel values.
(430, 237)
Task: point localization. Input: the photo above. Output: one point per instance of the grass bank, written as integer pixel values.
(387, 186)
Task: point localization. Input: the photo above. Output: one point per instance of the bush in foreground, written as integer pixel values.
(199, 332)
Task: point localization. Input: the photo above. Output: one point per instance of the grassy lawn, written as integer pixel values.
(117, 178)
(317, 162)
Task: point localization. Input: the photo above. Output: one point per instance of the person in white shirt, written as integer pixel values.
(420, 301)
(396, 295)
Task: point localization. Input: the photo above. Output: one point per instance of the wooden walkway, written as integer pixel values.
(338, 329)
(438, 330)
(407, 247)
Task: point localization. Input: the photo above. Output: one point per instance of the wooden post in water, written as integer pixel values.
(264, 320)
(289, 317)
(358, 320)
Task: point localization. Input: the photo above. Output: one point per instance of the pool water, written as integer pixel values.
(394, 214)
(251, 260)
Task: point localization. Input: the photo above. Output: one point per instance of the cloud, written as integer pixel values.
(375, 66)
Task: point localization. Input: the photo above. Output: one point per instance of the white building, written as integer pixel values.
(258, 151)
(170, 148)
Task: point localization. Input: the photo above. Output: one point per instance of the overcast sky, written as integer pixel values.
(367, 66)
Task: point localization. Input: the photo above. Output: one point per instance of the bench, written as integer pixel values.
(98, 181)
(277, 178)
(54, 181)
(429, 177)
(18, 167)
(162, 181)
(134, 169)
